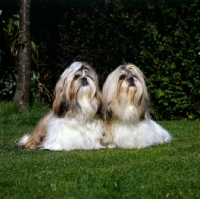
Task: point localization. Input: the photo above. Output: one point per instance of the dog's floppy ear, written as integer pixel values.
(98, 96)
(60, 104)
(107, 112)
(143, 107)
(60, 107)
(141, 100)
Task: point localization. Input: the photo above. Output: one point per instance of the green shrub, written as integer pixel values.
(160, 37)
(169, 52)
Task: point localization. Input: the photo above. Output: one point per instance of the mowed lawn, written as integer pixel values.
(165, 171)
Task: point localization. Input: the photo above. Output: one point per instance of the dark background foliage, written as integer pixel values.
(161, 37)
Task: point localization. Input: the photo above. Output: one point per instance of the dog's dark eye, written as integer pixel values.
(135, 76)
(76, 77)
(122, 77)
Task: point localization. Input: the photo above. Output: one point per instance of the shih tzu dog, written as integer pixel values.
(73, 123)
(127, 123)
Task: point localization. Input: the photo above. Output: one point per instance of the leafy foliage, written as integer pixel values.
(9, 84)
(8, 77)
(160, 37)
(170, 51)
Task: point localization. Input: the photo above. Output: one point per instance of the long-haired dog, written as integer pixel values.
(73, 122)
(125, 102)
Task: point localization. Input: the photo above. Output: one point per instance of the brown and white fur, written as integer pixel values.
(73, 122)
(127, 123)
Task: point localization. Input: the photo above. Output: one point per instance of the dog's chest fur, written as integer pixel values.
(73, 133)
(138, 135)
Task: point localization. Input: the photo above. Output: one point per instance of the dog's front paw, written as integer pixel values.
(110, 146)
(104, 143)
(32, 144)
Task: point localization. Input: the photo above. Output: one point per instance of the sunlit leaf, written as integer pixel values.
(33, 46)
(16, 16)
(10, 23)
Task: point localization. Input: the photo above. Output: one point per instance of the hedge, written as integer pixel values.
(160, 37)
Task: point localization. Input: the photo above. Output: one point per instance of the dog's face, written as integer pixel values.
(125, 94)
(77, 91)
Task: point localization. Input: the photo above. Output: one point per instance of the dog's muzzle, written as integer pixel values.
(131, 81)
(84, 81)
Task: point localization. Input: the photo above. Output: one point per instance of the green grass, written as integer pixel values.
(165, 171)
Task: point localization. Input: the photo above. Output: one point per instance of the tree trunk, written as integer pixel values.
(22, 93)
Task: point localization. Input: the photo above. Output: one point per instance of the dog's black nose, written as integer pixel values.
(84, 81)
(131, 81)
